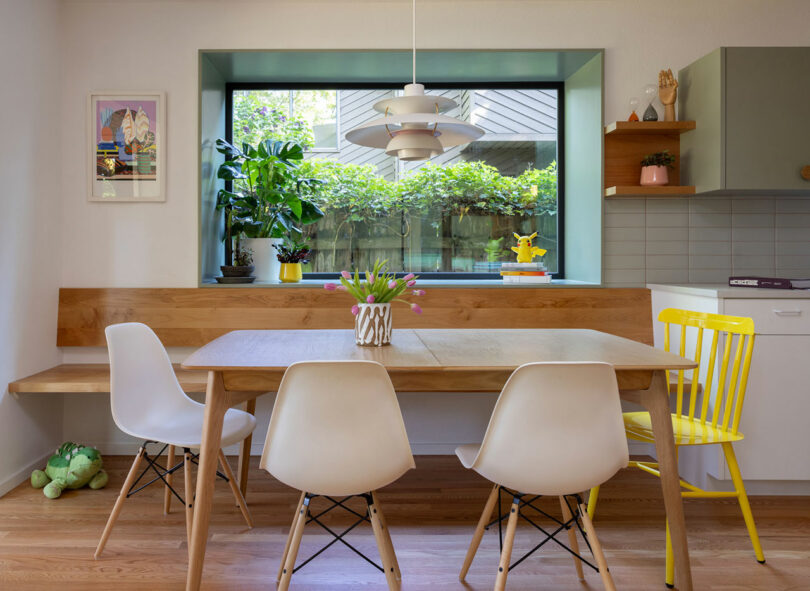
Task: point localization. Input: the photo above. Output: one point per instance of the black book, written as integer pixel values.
(769, 282)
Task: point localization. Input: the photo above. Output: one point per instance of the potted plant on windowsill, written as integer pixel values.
(242, 269)
(654, 168)
(292, 254)
(267, 194)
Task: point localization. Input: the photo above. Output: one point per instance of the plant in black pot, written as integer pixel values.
(242, 269)
(265, 197)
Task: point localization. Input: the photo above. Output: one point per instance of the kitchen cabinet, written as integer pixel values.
(753, 121)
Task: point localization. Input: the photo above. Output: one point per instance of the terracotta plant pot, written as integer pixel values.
(372, 325)
(290, 273)
(654, 175)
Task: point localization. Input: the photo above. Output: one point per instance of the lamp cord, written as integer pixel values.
(413, 38)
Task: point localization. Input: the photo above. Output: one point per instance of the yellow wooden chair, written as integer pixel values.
(702, 425)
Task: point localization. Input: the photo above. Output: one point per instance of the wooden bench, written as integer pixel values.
(192, 317)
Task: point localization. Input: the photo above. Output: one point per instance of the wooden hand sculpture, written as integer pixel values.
(668, 93)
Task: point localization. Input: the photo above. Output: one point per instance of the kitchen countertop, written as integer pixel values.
(726, 292)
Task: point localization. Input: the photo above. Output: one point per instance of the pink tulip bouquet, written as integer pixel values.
(374, 295)
(379, 287)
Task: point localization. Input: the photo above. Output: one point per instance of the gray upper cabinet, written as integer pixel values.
(752, 108)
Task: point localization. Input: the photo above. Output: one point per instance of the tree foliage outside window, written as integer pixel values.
(260, 116)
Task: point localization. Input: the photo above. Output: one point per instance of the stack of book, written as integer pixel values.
(525, 273)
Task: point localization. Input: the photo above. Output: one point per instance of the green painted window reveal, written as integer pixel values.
(454, 214)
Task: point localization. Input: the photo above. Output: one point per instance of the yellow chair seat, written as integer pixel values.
(687, 431)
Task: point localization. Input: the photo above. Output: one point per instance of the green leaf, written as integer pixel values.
(230, 172)
(310, 212)
(294, 203)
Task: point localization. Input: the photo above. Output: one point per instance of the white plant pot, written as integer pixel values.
(372, 325)
(265, 262)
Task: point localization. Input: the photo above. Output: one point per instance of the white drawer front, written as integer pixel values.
(788, 316)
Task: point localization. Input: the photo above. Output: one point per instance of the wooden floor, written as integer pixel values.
(49, 545)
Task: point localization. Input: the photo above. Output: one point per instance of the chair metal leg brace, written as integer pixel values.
(563, 525)
(162, 471)
(338, 537)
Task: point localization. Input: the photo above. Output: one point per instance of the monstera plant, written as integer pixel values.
(266, 194)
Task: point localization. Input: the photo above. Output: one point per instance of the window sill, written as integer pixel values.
(421, 283)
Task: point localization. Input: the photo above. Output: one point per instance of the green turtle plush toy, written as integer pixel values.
(72, 466)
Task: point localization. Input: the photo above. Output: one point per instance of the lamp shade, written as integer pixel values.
(414, 144)
(413, 127)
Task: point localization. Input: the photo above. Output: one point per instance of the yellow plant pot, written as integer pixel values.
(290, 273)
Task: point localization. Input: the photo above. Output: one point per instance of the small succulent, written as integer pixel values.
(242, 257)
(659, 159)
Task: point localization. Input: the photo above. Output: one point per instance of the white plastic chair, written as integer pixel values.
(337, 431)
(148, 403)
(556, 430)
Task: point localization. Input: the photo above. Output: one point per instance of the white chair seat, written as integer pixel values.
(184, 427)
(467, 453)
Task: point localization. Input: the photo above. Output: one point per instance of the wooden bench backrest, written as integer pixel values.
(191, 317)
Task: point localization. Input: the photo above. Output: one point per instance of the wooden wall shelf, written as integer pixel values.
(639, 191)
(648, 127)
(626, 144)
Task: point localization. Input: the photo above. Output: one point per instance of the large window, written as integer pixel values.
(454, 215)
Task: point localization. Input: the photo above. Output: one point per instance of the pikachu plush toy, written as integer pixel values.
(525, 251)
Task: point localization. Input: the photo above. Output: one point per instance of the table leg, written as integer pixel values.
(244, 452)
(215, 406)
(656, 401)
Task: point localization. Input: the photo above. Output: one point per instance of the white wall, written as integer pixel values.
(150, 45)
(156, 245)
(29, 229)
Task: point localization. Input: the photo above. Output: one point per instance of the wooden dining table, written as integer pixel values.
(244, 364)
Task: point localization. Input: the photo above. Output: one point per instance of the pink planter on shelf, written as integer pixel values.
(654, 175)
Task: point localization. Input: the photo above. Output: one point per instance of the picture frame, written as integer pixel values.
(126, 146)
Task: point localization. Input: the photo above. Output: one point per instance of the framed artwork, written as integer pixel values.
(127, 146)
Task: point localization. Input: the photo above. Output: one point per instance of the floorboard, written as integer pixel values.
(431, 511)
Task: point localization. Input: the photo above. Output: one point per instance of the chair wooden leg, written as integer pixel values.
(244, 451)
(290, 537)
(295, 542)
(596, 548)
(508, 541)
(592, 498)
(119, 502)
(188, 494)
(489, 507)
(237, 493)
(387, 533)
(382, 547)
(572, 537)
(167, 493)
(742, 498)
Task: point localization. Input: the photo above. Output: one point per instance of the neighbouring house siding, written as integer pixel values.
(509, 118)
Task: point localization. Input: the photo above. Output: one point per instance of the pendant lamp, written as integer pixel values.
(412, 126)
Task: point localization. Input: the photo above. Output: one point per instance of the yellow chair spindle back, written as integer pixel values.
(733, 370)
(707, 388)
(693, 394)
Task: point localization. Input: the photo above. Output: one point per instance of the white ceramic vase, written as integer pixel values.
(372, 325)
(265, 262)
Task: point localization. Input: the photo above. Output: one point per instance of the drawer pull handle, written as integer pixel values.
(788, 312)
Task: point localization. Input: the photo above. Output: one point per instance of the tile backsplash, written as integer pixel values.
(705, 239)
